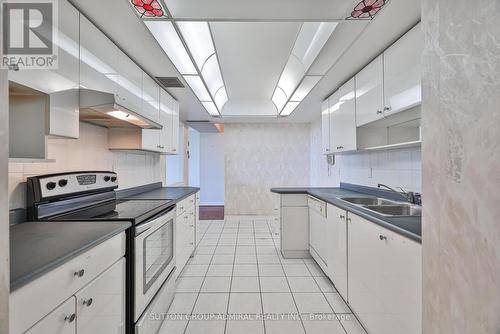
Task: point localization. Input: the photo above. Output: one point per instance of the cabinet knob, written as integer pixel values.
(191, 225)
(88, 302)
(186, 217)
(382, 237)
(342, 216)
(387, 108)
(79, 273)
(191, 243)
(379, 112)
(70, 318)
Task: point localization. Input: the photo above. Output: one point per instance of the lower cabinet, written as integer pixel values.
(337, 248)
(294, 226)
(385, 278)
(101, 304)
(185, 232)
(98, 308)
(60, 321)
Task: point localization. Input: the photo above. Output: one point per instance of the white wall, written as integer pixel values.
(89, 152)
(262, 156)
(395, 168)
(194, 158)
(212, 168)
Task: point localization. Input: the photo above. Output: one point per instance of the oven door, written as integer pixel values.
(154, 257)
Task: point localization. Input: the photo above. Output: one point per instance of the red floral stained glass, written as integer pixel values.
(148, 8)
(367, 9)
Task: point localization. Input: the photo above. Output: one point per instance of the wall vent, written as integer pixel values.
(170, 82)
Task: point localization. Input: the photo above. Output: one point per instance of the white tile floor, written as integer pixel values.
(238, 283)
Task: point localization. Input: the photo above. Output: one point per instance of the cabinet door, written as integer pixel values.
(150, 98)
(337, 248)
(98, 59)
(370, 92)
(60, 83)
(343, 120)
(151, 140)
(129, 83)
(60, 321)
(101, 304)
(174, 148)
(166, 120)
(385, 277)
(402, 72)
(295, 229)
(325, 127)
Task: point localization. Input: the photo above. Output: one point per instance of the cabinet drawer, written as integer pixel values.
(24, 312)
(294, 200)
(60, 321)
(101, 305)
(185, 204)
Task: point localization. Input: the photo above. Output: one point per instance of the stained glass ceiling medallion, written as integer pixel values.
(149, 8)
(366, 9)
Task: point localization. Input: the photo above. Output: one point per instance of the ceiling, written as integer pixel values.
(253, 41)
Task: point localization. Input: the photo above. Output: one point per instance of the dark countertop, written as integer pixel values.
(37, 248)
(410, 227)
(175, 194)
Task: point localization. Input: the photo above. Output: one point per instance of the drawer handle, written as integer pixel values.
(191, 225)
(382, 237)
(342, 217)
(70, 318)
(186, 217)
(88, 302)
(379, 112)
(79, 273)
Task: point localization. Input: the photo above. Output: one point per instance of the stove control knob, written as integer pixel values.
(51, 185)
(113, 179)
(107, 178)
(63, 182)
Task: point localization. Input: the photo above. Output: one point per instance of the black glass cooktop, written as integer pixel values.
(135, 211)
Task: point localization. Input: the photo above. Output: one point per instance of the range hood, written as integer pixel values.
(103, 109)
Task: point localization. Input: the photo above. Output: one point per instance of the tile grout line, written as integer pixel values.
(258, 277)
(204, 277)
(289, 287)
(232, 272)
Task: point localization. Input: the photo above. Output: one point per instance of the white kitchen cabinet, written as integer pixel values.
(336, 233)
(150, 98)
(101, 304)
(130, 85)
(294, 226)
(169, 118)
(59, 84)
(325, 126)
(370, 92)
(343, 119)
(98, 60)
(318, 241)
(402, 72)
(185, 231)
(385, 278)
(174, 147)
(60, 321)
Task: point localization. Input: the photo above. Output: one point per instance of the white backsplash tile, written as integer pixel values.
(89, 152)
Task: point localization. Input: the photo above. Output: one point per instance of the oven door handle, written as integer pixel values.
(139, 229)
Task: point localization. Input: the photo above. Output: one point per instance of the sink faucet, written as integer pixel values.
(409, 196)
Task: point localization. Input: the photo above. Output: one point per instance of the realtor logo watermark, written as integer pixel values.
(29, 32)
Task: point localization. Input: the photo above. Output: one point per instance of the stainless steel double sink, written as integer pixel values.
(386, 207)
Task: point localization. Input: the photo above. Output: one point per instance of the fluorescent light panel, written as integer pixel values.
(305, 88)
(221, 98)
(211, 108)
(289, 108)
(169, 40)
(198, 39)
(311, 39)
(198, 87)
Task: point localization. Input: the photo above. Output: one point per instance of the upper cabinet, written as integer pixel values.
(362, 113)
(59, 84)
(402, 73)
(325, 126)
(150, 98)
(343, 119)
(370, 92)
(98, 59)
